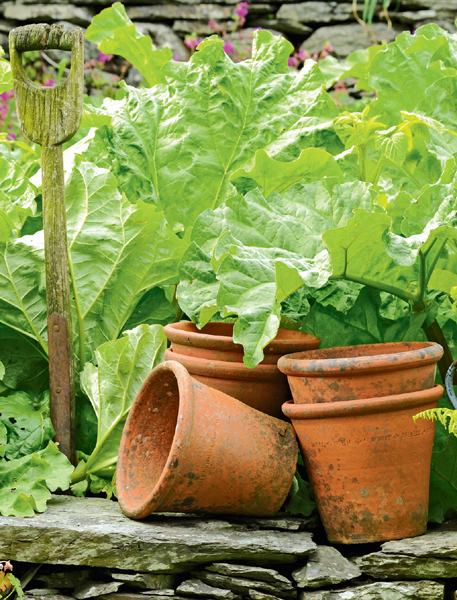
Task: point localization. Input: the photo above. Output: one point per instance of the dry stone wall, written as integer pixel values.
(308, 24)
(85, 548)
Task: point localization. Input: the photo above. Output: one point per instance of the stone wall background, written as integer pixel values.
(308, 25)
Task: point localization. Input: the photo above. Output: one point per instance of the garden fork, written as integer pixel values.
(50, 117)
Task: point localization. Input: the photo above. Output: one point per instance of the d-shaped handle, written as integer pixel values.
(48, 116)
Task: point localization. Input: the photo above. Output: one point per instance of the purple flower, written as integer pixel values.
(104, 58)
(12, 137)
(176, 58)
(303, 55)
(242, 9)
(228, 47)
(49, 82)
(192, 42)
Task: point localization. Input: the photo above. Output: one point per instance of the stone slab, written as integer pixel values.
(171, 11)
(143, 581)
(242, 585)
(94, 532)
(256, 595)
(392, 590)
(197, 589)
(94, 589)
(251, 572)
(439, 543)
(326, 566)
(399, 566)
(48, 13)
(43, 592)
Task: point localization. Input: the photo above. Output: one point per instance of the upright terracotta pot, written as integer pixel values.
(369, 464)
(357, 372)
(190, 448)
(211, 356)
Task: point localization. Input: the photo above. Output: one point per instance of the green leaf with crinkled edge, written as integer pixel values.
(3, 439)
(31, 428)
(177, 145)
(17, 199)
(112, 386)
(443, 280)
(362, 324)
(25, 360)
(272, 249)
(6, 76)
(397, 209)
(154, 308)
(114, 33)
(402, 73)
(26, 483)
(270, 175)
(94, 117)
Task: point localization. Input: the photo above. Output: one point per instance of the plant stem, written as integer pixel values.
(434, 334)
(419, 297)
(390, 289)
(378, 171)
(435, 260)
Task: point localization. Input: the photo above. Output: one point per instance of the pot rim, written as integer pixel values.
(298, 363)
(184, 425)
(353, 408)
(220, 369)
(178, 333)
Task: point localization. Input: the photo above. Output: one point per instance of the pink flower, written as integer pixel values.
(328, 47)
(229, 47)
(324, 53)
(11, 137)
(242, 9)
(316, 56)
(303, 55)
(192, 42)
(290, 61)
(176, 58)
(214, 25)
(104, 58)
(49, 82)
(8, 565)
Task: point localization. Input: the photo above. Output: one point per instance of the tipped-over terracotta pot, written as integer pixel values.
(357, 372)
(368, 463)
(211, 356)
(190, 448)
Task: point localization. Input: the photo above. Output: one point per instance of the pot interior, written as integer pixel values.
(151, 436)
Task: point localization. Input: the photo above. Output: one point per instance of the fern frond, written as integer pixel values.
(446, 416)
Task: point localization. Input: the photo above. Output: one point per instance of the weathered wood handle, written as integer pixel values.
(42, 37)
(50, 117)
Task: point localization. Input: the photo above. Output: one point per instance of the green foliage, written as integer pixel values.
(111, 387)
(6, 77)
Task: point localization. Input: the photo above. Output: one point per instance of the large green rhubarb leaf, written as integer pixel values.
(112, 386)
(177, 145)
(17, 198)
(26, 483)
(28, 423)
(114, 33)
(250, 254)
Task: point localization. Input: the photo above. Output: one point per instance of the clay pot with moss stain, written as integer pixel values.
(357, 372)
(211, 356)
(187, 447)
(368, 463)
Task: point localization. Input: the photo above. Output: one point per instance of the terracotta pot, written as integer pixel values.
(369, 464)
(211, 356)
(357, 372)
(190, 448)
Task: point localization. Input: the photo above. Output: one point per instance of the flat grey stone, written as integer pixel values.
(166, 592)
(94, 532)
(314, 596)
(315, 13)
(27, 596)
(347, 38)
(281, 521)
(440, 543)
(49, 13)
(387, 590)
(282, 25)
(144, 581)
(198, 589)
(93, 589)
(256, 595)
(43, 592)
(242, 586)
(414, 16)
(161, 12)
(400, 566)
(64, 579)
(122, 596)
(200, 28)
(251, 572)
(326, 566)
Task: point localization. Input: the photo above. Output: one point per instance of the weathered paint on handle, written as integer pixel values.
(50, 117)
